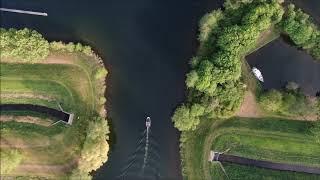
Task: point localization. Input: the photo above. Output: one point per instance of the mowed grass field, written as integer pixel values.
(271, 139)
(238, 172)
(48, 151)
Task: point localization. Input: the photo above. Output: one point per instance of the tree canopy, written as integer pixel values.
(23, 45)
(95, 148)
(28, 46)
(302, 31)
(288, 102)
(271, 100)
(214, 82)
(186, 118)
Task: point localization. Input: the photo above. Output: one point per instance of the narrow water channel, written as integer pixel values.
(146, 46)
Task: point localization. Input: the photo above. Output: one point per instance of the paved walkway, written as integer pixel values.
(265, 164)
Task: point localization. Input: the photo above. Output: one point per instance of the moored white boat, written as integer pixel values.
(257, 73)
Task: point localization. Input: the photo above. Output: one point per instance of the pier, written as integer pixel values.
(24, 12)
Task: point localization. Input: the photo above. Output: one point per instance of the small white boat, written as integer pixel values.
(257, 73)
(148, 122)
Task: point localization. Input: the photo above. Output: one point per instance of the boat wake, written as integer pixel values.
(143, 163)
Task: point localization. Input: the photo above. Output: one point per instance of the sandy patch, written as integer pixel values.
(249, 107)
(58, 59)
(47, 169)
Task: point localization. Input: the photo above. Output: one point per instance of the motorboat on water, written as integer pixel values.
(148, 122)
(257, 73)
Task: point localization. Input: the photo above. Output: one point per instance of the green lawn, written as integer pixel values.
(51, 91)
(265, 139)
(73, 86)
(296, 147)
(239, 172)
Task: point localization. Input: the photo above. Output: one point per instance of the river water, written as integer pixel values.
(146, 46)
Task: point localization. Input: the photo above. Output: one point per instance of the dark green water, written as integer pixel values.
(281, 63)
(146, 46)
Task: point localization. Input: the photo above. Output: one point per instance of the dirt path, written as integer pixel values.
(47, 169)
(58, 59)
(249, 107)
(27, 119)
(20, 144)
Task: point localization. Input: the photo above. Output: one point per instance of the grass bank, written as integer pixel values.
(238, 172)
(272, 139)
(68, 79)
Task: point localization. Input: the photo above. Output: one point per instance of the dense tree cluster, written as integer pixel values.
(70, 47)
(23, 45)
(214, 83)
(302, 31)
(288, 102)
(29, 46)
(271, 100)
(9, 160)
(95, 148)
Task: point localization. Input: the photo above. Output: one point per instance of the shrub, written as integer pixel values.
(70, 47)
(57, 46)
(78, 47)
(101, 73)
(316, 131)
(102, 100)
(271, 100)
(77, 174)
(87, 50)
(9, 160)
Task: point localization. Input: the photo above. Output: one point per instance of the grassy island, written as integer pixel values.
(57, 75)
(225, 109)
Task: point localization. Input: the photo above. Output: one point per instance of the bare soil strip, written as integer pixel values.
(249, 107)
(27, 119)
(20, 144)
(47, 169)
(26, 95)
